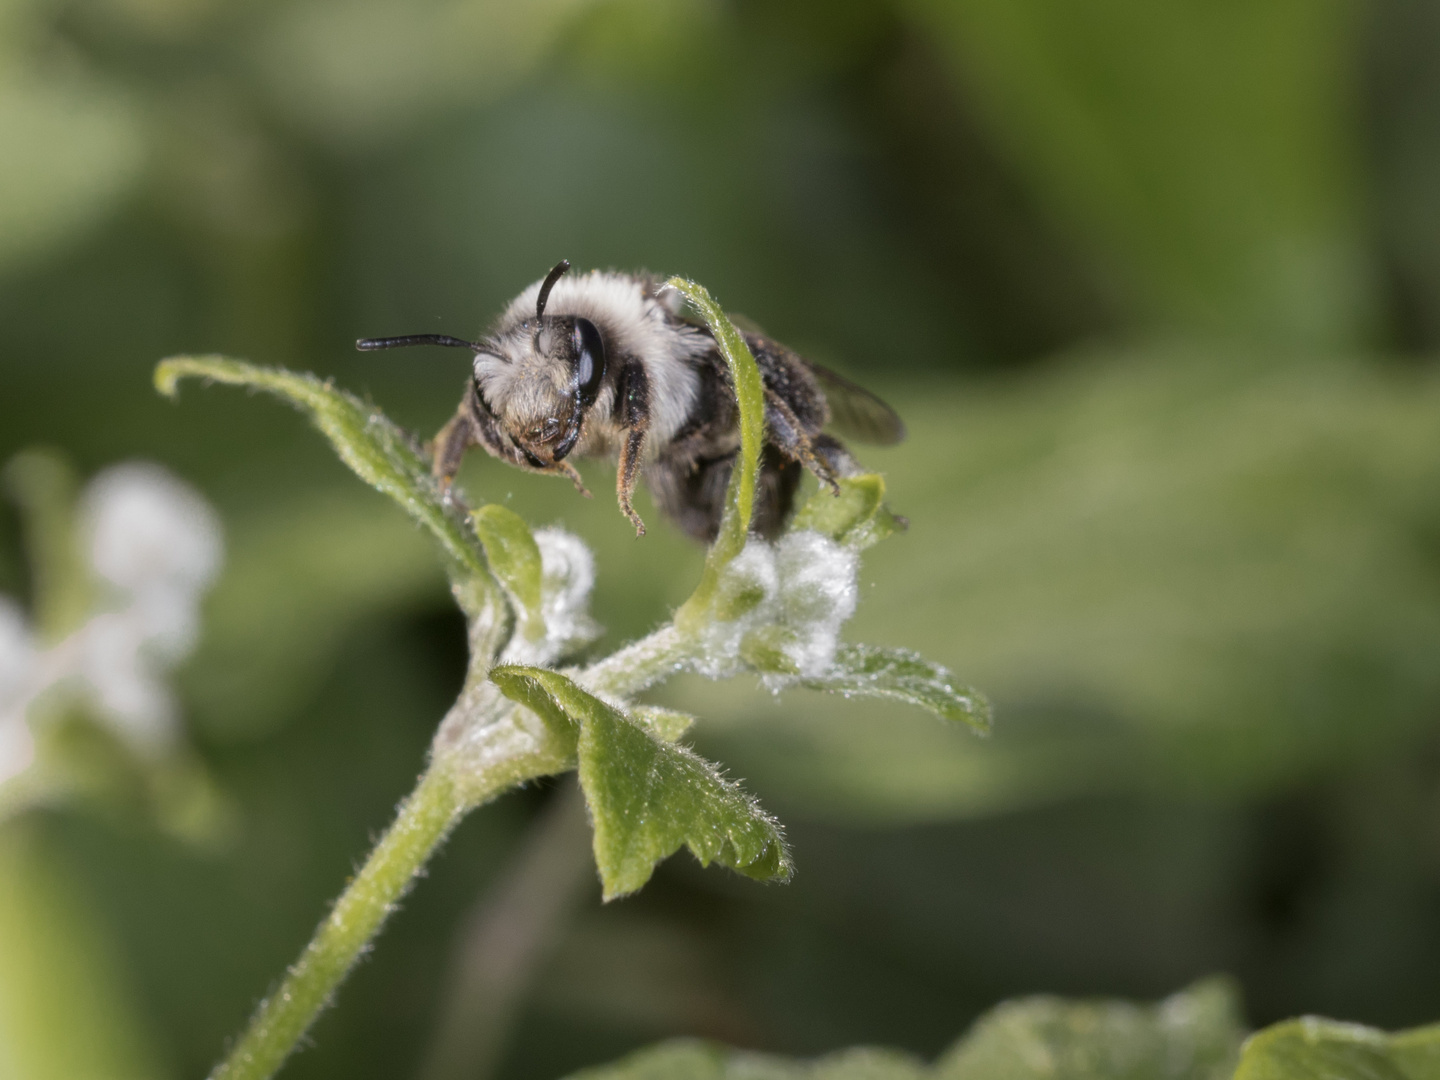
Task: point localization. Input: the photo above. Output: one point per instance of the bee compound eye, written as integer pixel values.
(589, 361)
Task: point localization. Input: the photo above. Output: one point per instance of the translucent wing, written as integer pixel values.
(855, 412)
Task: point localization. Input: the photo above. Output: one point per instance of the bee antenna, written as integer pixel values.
(371, 344)
(556, 273)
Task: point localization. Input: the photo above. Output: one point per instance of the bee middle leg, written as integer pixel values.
(632, 396)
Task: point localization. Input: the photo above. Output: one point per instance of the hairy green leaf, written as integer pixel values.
(1313, 1047)
(901, 675)
(740, 495)
(665, 724)
(43, 485)
(514, 557)
(648, 797)
(857, 517)
(378, 451)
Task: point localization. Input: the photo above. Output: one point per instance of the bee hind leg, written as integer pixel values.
(787, 434)
(832, 452)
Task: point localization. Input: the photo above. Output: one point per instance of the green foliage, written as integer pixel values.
(665, 724)
(687, 1059)
(43, 485)
(648, 796)
(902, 675)
(1207, 149)
(1194, 1035)
(514, 557)
(59, 973)
(857, 517)
(380, 453)
(1313, 1047)
(740, 496)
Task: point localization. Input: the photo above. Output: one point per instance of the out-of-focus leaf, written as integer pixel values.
(1193, 1035)
(1207, 150)
(1312, 1047)
(358, 71)
(648, 797)
(299, 579)
(688, 1059)
(857, 517)
(72, 150)
(902, 675)
(43, 484)
(65, 1010)
(740, 495)
(515, 559)
(380, 453)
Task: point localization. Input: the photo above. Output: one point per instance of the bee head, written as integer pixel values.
(540, 378)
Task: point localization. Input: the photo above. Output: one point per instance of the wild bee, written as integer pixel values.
(613, 365)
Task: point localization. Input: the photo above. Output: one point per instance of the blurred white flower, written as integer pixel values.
(157, 540)
(17, 668)
(154, 546)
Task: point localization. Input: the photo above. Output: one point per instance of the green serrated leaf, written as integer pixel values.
(378, 451)
(740, 495)
(1193, 1035)
(902, 675)
(514, 557)
(665, 724)
(857, 517)
(1314, 1047)
(648, 797)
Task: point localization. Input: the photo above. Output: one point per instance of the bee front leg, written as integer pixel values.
(448, 447)
(565, 469)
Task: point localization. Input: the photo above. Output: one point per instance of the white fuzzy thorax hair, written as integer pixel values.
(633, 324)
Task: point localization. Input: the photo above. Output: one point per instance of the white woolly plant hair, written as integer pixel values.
(800, 590)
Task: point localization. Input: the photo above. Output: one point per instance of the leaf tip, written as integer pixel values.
(167, 376)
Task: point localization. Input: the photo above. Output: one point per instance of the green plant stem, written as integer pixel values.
(640, 664)
(424, 820)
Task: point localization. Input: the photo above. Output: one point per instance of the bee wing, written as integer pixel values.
(855, 412)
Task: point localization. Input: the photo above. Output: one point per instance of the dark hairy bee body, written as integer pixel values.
(610, 365)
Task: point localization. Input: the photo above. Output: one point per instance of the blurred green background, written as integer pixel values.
(1157, 289)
